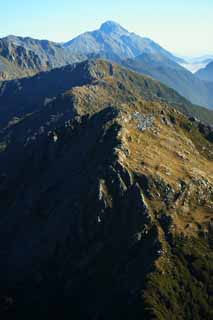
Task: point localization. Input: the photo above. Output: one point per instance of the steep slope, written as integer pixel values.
(21, 57)
(206, 73)
(174, 76)
(112, 217)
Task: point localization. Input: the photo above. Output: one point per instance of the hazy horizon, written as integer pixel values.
(176, 26)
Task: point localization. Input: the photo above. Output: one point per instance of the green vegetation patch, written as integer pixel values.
(185, 289)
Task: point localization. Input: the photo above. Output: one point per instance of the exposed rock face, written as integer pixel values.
(24, 59)
(21, 57)
(100, 219)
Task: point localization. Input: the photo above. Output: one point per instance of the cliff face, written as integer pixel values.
(107, 214)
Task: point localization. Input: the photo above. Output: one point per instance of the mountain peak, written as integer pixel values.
(112, 27)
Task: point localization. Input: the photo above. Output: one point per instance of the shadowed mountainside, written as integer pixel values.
(112, 216)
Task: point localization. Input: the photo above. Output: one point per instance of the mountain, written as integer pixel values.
(24, 97)
(206, 73)
(114, 42)
(106, 200)
(20, 57)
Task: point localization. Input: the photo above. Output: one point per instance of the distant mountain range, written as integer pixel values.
(20, 57)
(195, 64)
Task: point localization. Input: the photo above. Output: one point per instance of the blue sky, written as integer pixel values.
(184, 27)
